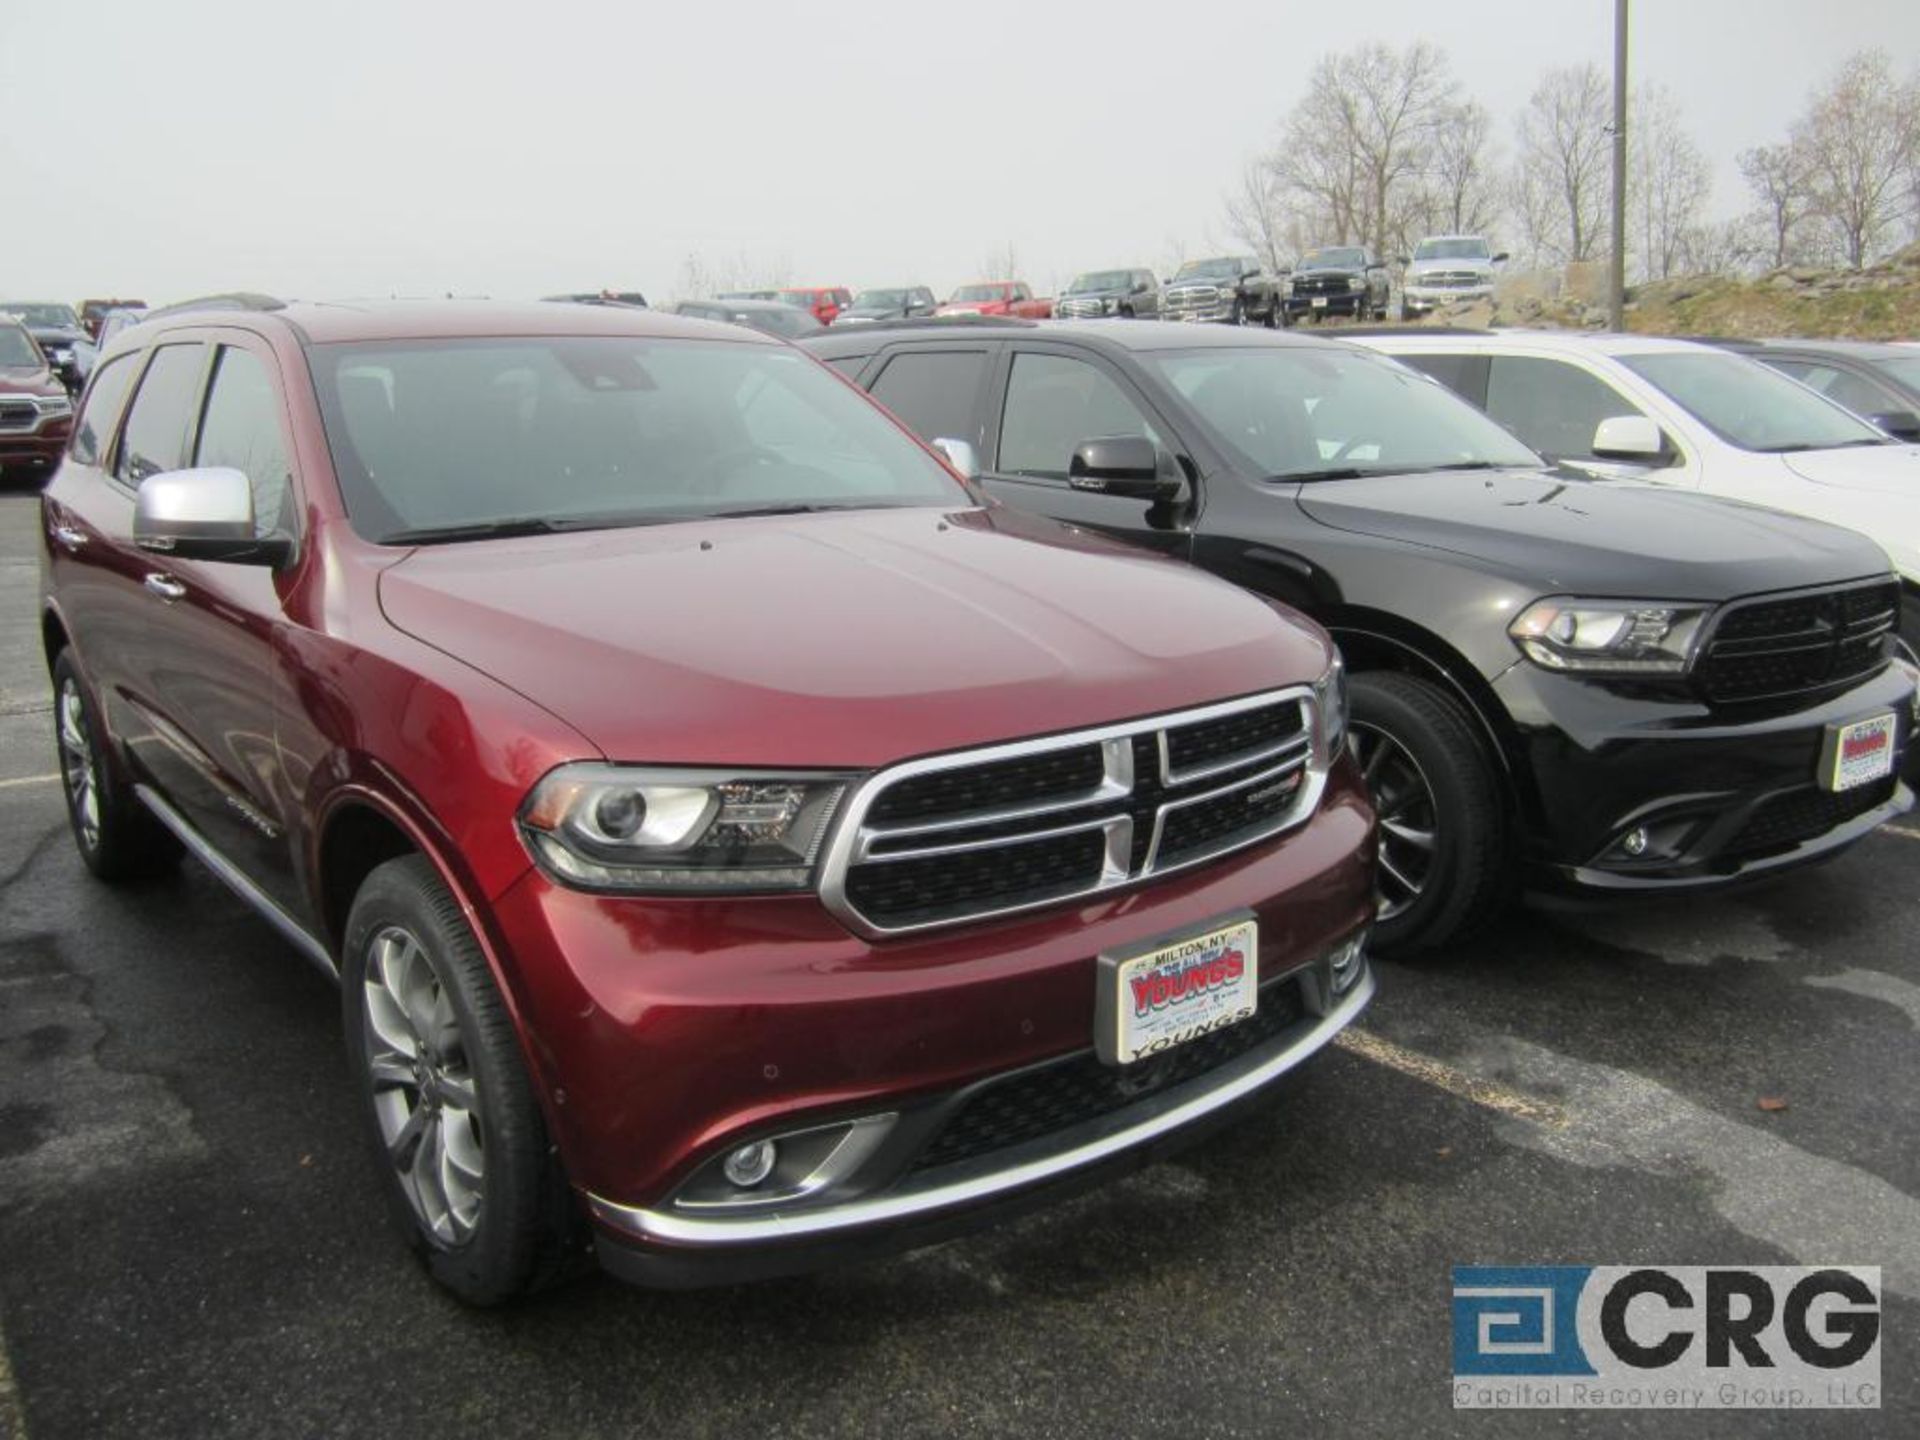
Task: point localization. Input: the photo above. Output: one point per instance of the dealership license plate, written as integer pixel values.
(1319, 302)
(1147, 1003)
(1858, 754)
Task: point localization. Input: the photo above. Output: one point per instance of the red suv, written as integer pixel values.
(739, 845)
(36, 414)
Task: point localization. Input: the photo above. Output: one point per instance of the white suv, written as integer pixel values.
(1676, 413)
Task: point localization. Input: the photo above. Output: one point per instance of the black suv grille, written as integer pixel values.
(1801, 815)
(1032, 1104)
(964, 836)
(1799, 644)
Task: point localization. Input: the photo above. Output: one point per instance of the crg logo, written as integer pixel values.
(1683, 1337)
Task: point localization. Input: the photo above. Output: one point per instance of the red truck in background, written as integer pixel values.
(823, 301)
(998, 297)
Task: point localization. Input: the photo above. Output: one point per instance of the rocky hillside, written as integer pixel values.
(1881, 302)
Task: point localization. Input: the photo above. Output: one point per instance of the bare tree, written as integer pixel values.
(701, 276)
(1560, 183)
(1001, 264)
(1668, 182)
(1781, 179)
(1354, 151)
(1861, 135)
(1256, 214)
(1462, 181)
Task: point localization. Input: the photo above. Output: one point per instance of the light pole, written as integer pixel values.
(1617, 279)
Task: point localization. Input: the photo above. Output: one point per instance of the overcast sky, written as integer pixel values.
(164, 148)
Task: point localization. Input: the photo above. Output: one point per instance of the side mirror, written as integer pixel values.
(960, 455)
(1629, 437)
(1501, 258)
(1901, 424)
(1140, 287)
(1129, 466)
(203, 514)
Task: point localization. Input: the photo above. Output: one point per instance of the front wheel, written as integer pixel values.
(461, 1147)
(1238, 315)
(1442, 838)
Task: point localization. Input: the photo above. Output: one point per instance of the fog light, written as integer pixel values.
(1636, 842)
(750, 1164)
(1346, 964)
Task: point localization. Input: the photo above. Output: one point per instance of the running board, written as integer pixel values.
(236, 880)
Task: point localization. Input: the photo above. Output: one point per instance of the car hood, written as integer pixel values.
(845, 639)
(872, 312)
(1881, 469)
(56, 334)
(29, 380)
(1569, 535)
(1097, 294)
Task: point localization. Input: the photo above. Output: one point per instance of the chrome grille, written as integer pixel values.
(1776, 647)
(1072, 309)
(987, 832)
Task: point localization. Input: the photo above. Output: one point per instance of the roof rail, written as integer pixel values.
(233, 300)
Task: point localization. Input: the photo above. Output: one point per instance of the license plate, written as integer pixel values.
(1319, 302)
(1149, 1001)
(1858, 754)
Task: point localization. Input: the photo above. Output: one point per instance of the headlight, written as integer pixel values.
(1356, 282)
(1106, 307)
(54, 405)
(616, 827)
(1610, 637)
(1330, 704)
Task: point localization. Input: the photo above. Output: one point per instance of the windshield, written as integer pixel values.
(576, 432)
(1100, 280)
(46, 316)
(1341, 257)
(977, 293)
(1468, 248)
(1300, 413)
(1228, 269)
(1749, 405)
(802, 298)
(781, 320)
(880, 300)
(1905, 369)
(17, 347)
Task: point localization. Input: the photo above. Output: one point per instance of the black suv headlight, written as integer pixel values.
(1611, 637)
(619, 827)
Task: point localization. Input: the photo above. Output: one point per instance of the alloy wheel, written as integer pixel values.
(1403, 800)
(76, 765)
(424, 1093)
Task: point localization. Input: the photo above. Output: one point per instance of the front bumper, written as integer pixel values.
(668, 1032)
(1420, 300)
(1719, 799)
(1349, 303)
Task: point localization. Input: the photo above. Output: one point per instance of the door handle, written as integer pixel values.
(69, 538)
(165, 586)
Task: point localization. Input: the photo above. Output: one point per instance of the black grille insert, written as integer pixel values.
(1799, 644)
(1801, 815)
(1193, 747)
(1043, 1101)
(932, 887)
(1026, 780)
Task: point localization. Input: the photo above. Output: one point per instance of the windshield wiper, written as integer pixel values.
(1344, 472)
(795, 508)
(512, 526)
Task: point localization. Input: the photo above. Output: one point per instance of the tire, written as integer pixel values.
(1430, 776)
(439, 1072)
(1276, 315)
(1238, 315)
(117, 837)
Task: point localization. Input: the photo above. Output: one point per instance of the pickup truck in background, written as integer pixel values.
(1228, 289)
(998, 297)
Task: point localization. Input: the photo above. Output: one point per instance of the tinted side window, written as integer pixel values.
(1465, 375)
(101, 409)
(848, 365)
(1053, 403)
(1862, 397)
(1551, 405)
(156, 436)
(937, 392)
(241, 428)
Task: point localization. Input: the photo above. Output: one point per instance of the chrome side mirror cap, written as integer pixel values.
(960, 455)
(203, 514)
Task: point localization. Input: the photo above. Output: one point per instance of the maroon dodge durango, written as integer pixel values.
(740, 846)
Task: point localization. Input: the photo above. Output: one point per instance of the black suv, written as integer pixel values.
(1339, 280)
(1564, 682)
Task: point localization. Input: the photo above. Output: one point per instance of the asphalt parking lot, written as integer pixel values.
(191, 1242)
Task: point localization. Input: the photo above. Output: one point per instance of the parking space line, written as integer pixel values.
(1487, 1094)
(1905, 832)
(29, 780)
